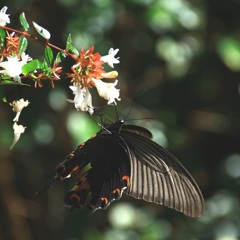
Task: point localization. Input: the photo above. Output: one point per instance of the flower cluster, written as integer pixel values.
(18, 129)
(15, 64)
(86, 73)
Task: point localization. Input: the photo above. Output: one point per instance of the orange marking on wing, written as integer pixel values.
(70, 174)
(83, 184)
(104, 200)
(76, 196)
(75, 169)
(117, 190)
(127, 179)
(71, 155)
(81, 145)
(93, 136)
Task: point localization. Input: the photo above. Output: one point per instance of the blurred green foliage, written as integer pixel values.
(180, 65)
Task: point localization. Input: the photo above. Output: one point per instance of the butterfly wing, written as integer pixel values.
(137, 130)
(123, 156)
(157, 176)
(107, 177)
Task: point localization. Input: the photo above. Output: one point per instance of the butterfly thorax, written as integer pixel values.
(111, 129)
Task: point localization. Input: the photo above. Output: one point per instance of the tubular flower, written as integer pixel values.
(18, 107)
(107, 90)
(4, 18)
(82, 99)
(110, 58)
(13, 66)
(18, 130)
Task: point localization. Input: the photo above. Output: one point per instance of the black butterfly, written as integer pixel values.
(120, 159)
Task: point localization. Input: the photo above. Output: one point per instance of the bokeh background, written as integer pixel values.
(180, 67)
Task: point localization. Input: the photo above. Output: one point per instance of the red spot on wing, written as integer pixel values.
(117, 190)
(105, 200)
(81, 145)
(127, 179)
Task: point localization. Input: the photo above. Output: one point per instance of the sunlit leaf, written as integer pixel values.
(45, 65)
(23, 21)
(69, 42)
(9, 81)
(70, 47)
(60, 56)
(48, 55)
(22, 45)
(2, 36)
(31, 66)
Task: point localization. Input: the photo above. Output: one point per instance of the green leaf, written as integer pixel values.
(48, 55)
(22, 45)
(2, 36)
(60, 56)
(23, 21)
(9, 81)
(45, 65)
(70, 47)
(42, 31)
(74, 50)
(69, 42)
(31, 66)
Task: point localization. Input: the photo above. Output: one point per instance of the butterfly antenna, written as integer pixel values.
(137, 119)
(103, 119)
(116, 112)
(141, 92)
(130, 110)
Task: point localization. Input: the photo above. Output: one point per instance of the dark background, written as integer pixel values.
(180, 66)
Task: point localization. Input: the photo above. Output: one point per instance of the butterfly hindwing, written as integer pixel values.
(105, 180)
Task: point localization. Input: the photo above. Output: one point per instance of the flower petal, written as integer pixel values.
(83, 99)
(18, 107)
(18, 130)
(110, 58)
(4, 18)
(107, 90)
(13, 66)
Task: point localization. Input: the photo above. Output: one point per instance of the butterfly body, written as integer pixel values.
(122, 159)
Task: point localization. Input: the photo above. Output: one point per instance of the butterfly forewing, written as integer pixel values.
(157, 176)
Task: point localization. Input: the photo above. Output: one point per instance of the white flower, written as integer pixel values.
(112, 74)
(107, 90)
(18, 107)
(4, 18)
(82, 99)
(18, 130)
(13, 66)
(110, 58)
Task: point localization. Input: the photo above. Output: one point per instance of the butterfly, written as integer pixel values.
(122, 158)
